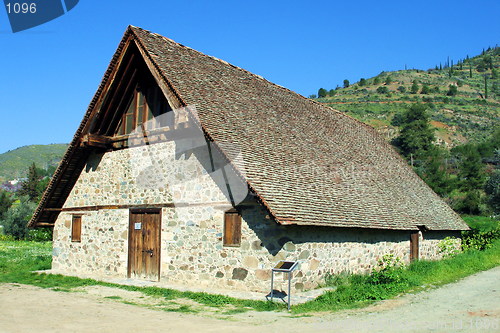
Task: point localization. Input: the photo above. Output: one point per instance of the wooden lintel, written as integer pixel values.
(45, 225)
(52, 209)
(144, 206)
(96, 141)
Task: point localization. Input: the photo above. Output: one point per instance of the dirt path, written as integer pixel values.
(470, 305)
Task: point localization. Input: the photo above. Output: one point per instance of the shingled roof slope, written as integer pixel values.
(309, 164)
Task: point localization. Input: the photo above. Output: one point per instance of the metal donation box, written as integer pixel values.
(282, 267)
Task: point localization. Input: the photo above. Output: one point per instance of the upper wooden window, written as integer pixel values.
(146, 106)
(232, 228)
(76, 228)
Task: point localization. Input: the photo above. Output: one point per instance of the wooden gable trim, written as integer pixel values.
(103, 94)
(165, 85)
(71, 166)
(58, 190)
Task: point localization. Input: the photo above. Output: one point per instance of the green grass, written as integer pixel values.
(482, 223)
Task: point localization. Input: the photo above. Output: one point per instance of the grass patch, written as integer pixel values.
(481, 223)
(182, 309)
(235, 311)
(113, 297)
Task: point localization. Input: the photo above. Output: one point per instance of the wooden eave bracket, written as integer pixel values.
(96, 141)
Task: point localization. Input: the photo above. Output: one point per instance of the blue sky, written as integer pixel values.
(50, 73)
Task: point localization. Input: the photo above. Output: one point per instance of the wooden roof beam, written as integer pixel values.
(96, 141)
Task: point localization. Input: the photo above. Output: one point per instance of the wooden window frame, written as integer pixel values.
(153, 105)
(232, 229)
(76, 229)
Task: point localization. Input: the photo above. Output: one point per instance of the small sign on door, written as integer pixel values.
(137, 226)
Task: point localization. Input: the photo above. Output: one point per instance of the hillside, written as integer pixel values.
(15, 163)
(461, 109)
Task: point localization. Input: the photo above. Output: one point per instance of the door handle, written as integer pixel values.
(148, 251)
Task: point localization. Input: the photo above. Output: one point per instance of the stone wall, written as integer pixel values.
(103, 249)
(192, 251)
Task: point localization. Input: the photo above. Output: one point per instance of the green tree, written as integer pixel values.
(492, 189)
(402, 89)
(416, 136)
(322, 93)
(452, 90)
(17, 217)
(346, 83)
(486, 86)
(414, 88)
(362, 82)
(382, 90)
(376, 81)
(5, 202)
(471, 174)
(30, 186)
(388, 80)
(425, 89)
(434, 172)
(332, 92)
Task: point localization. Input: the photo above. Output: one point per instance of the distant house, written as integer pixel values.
(190, 170)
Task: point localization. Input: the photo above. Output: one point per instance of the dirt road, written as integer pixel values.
(470, 305)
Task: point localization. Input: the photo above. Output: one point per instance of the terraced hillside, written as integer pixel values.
(464, 98)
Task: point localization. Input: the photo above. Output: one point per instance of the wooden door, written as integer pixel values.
(144, 244)
(414, 246)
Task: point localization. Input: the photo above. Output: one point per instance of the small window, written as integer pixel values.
(232, 228)
(76, 228)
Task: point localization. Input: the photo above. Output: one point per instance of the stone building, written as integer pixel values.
(190, 170)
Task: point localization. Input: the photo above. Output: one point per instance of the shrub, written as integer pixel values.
(476, 239)
(40, 235)
(448, 247)
(452, 90)
(6, 238)
(390, 271)
(17, 217)
(425, 89)
(382, 90)
(414, 88)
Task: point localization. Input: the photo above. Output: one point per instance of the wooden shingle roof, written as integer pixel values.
(309, 164)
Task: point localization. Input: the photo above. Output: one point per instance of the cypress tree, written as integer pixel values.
(29, 187)
(486, 87)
